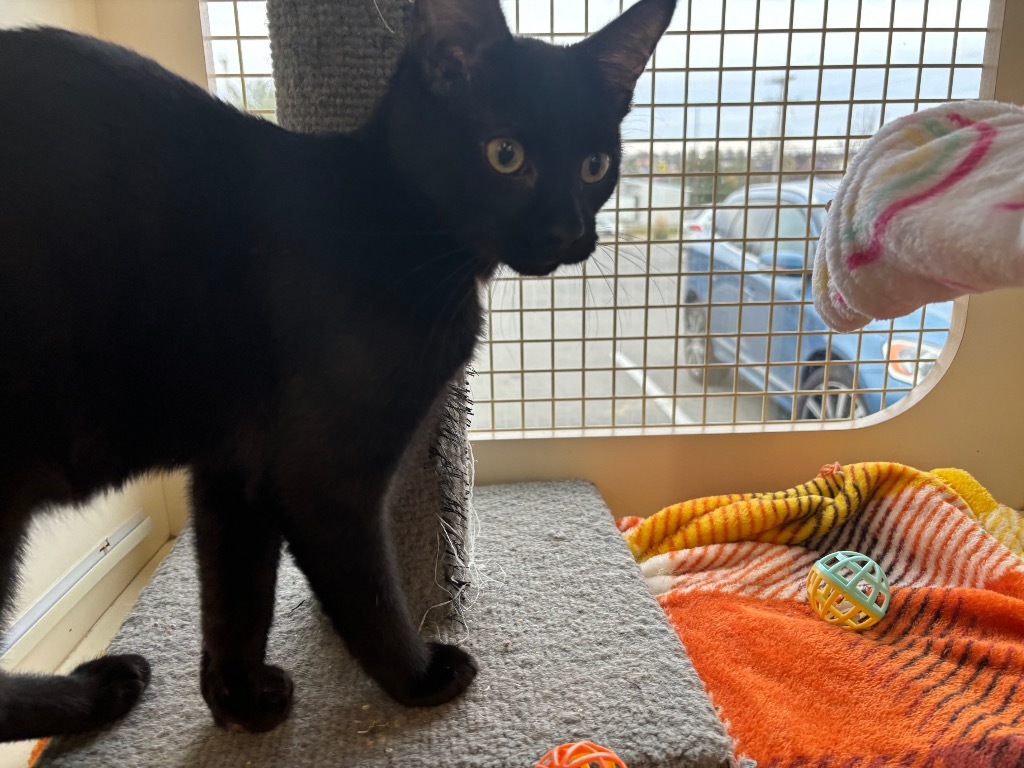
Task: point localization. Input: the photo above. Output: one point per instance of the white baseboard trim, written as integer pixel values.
(43, 635)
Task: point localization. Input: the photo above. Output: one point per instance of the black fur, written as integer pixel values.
(182, 285)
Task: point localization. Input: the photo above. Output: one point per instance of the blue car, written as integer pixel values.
(749, 307)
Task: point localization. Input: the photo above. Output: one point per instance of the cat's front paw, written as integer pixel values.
(449, 673)
(255, 701)
(113, 684)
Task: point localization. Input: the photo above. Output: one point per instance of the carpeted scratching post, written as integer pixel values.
(332, 61)
(570, 643)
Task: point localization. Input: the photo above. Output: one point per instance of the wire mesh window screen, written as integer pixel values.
(238, 54)
(697, 309)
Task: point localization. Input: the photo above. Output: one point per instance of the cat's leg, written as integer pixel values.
(92, 696)
(238, 547)
(345, 552)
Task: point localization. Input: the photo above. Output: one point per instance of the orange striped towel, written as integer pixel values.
(939, 682)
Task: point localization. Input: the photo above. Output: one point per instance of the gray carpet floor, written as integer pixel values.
(569, 641)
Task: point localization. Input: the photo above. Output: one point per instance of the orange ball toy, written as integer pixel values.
(582, 754)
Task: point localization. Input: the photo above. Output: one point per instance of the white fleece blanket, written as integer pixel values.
(930, 209)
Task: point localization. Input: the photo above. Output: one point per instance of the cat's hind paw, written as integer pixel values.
(450, 672)
(255, 702)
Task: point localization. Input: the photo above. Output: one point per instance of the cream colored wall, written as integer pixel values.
(972, 418)
(62, 538)
(168, 31)
(79, 15)
(1004, 81)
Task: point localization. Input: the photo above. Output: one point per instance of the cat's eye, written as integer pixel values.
(595, 167)
(505, 155)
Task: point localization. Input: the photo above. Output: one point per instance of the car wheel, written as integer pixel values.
(832, 399)
(696, 345)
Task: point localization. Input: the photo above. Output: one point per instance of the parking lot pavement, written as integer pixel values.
(599, 346)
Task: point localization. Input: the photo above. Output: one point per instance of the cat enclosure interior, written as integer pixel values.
(533, 577)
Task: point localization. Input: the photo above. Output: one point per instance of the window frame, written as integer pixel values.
(751, 379)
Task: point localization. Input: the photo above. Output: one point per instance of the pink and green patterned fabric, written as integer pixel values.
(931, 208)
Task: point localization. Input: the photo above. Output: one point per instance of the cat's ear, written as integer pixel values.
(624, 45)
(450, 35)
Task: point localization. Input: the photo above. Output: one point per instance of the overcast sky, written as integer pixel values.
(837, 52)
(535, 15)
(853, 49)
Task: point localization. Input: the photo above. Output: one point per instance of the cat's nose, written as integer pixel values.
(562, 236)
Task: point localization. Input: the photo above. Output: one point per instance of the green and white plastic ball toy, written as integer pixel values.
(848, 589)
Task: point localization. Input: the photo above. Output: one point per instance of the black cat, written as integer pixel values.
(183, 285)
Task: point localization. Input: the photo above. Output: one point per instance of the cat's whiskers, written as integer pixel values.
(587, 290)
(643, 263)
(497, 288)
(606, 275)
(640, 258)
(581, 270)
(500, 299)
(647, 269)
